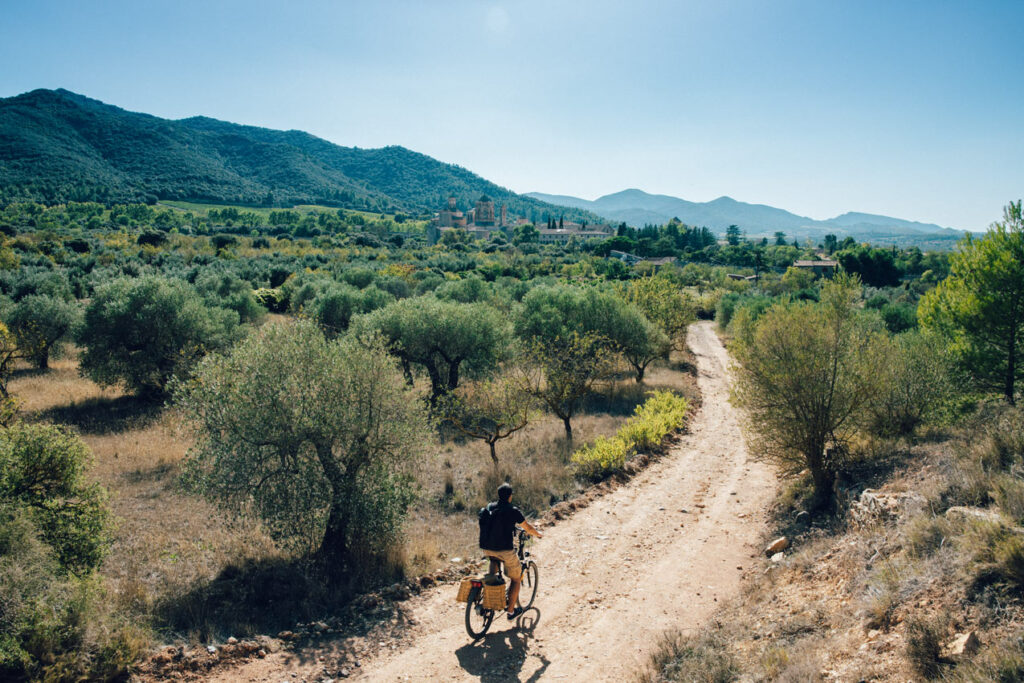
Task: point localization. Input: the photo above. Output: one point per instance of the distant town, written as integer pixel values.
(481, 222)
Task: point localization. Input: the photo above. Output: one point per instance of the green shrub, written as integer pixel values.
(274, 300)
(919, 377)
(42, 475)
(724, 309)
(55, 621)
(924, 647)
(653, 420)
(899, 317)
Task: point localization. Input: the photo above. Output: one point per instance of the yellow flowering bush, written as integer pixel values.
(662, 414)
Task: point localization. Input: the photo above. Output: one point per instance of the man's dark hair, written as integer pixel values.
(504, 492)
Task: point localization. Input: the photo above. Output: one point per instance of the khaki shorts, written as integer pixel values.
(510, 560)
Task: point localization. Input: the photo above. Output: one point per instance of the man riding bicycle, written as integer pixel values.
(497, 525)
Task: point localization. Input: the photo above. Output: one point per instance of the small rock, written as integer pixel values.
(777, 546)
(963, 644)
(285, 635)
(319, 627)
(873, 634)
(396, 591)
(261, 653)
(232, 641)
(962, 513)
(803, 518)
(211, 649)
(456, 560)
(778, 557)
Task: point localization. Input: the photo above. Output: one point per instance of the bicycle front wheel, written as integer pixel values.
(531, 576)
(478, 619)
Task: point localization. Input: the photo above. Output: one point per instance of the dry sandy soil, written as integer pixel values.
(657, 553)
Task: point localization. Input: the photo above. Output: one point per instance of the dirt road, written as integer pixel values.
(657, 553)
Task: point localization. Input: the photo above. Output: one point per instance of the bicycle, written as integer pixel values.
(478, 619)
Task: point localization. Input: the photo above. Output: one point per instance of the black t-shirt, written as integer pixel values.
(505, 516)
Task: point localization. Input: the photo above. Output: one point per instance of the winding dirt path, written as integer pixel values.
(656, 553)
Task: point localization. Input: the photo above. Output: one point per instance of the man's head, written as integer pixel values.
(504, 492)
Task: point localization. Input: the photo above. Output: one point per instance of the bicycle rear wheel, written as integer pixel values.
(528, 591)
(478, 619)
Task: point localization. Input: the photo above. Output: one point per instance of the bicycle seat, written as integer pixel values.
(493, 580)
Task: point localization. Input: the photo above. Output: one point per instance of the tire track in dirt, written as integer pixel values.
(654, 554)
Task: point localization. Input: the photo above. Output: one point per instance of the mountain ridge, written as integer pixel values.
(58, 146)
(636, 207)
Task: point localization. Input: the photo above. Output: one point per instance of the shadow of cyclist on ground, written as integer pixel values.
(500, 656)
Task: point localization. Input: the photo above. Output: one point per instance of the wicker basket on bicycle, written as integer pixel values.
(492, 593)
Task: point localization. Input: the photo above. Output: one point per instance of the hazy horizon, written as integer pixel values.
(905, 109)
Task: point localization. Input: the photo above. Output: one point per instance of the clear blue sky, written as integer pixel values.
(911, 109)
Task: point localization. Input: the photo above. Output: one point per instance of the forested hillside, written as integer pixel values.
(57, 146)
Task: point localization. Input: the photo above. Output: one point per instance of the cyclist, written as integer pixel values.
(496, 541)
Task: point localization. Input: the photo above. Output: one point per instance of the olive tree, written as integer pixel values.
(563, 371)
(10, 352)
(805, 376)
(334, 307)
(309, 434)
(227, 291)
(638, 340)
(445, 338)
(142, 332)
(41, 324)
(551, 313)
(665, 305)
(491, 410)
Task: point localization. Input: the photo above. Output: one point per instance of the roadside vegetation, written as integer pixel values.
(223, 423)
(897, 546)
(262, 414)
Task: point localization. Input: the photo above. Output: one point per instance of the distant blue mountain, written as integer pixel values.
(638, 208)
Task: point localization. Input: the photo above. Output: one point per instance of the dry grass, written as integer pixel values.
(166, 541)
(60, 386)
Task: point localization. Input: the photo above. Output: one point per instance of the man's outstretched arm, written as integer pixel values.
(530, 530)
